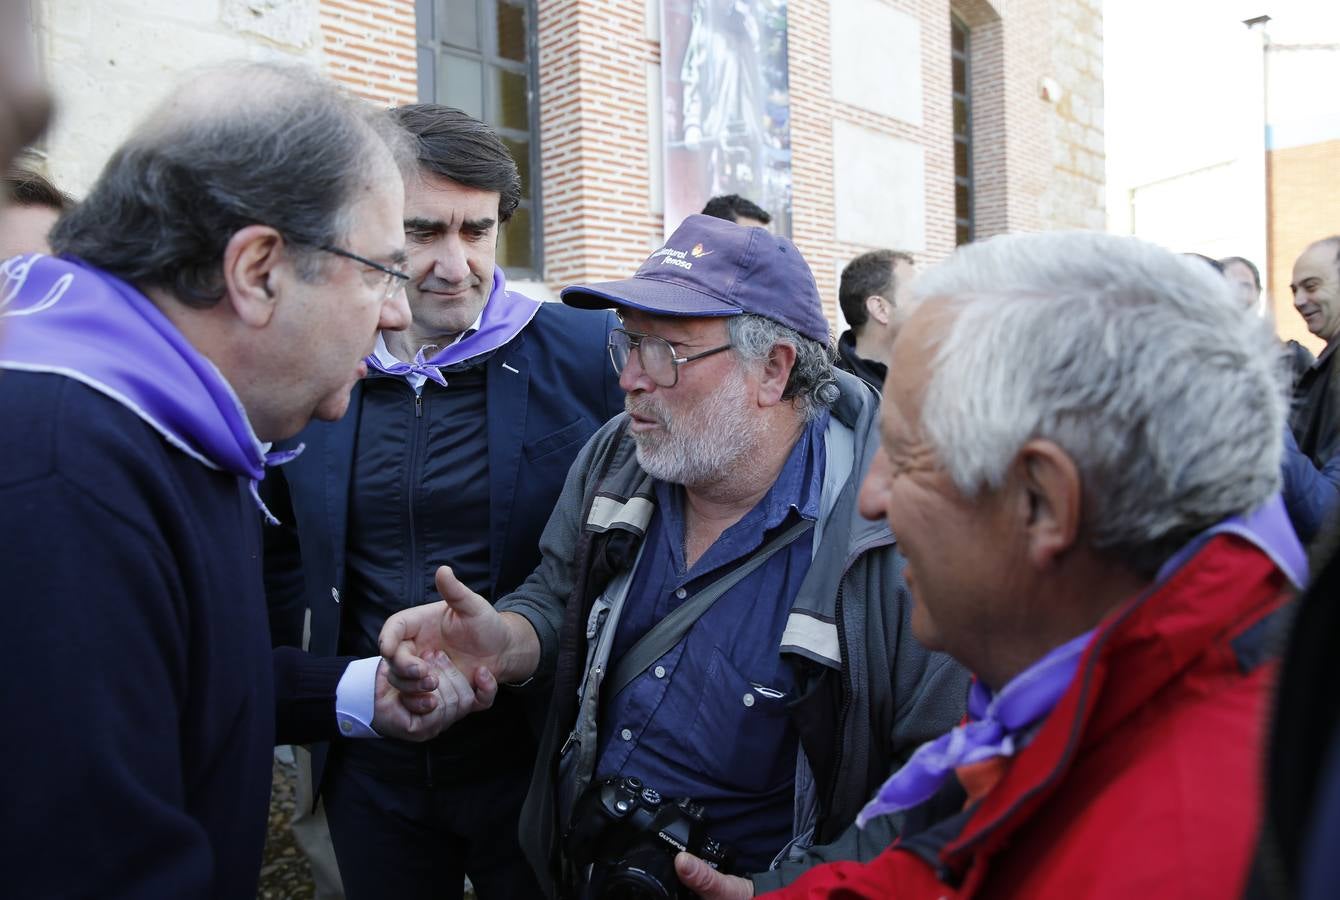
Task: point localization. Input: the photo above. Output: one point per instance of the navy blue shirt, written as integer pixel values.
(708, 720)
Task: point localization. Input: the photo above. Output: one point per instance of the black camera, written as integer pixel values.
(629, 835)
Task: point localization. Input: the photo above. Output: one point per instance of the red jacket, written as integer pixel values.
(1144, 780)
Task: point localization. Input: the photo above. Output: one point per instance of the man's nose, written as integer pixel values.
(632, 377)
(451, 264)
(874, 496)
(395, 312)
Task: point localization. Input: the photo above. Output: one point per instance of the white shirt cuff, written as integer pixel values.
(355, 698)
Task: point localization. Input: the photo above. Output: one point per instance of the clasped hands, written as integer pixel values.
(439, 662)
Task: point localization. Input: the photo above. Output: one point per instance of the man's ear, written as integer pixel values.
(1051, 501)
(878, 308)
(250, 263)
(776, 372)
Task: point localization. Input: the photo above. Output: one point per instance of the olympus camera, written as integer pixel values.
(629, 834)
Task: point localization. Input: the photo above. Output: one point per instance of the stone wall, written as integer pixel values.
(110, 61)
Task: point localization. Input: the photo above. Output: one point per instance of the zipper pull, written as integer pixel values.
(418, 406)
(572, 739)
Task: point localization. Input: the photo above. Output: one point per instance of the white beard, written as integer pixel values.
(701, 446)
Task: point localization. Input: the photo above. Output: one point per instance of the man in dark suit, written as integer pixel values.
(454, 451)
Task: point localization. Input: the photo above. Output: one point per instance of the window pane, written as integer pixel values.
(520, 151)
(514, 249)
(962, 202)
(427, 74)
(960, 159)
(962, 234)
(960, 75)
(960, 116)
(509, 105)
(458, 23)
(511, 32)
(959, 36)
(423, 19)
(461, 84)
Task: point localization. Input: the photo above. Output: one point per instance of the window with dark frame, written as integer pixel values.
(479, 56)
(963, 218)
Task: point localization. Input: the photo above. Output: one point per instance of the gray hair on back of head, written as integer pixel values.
(811, 386)
(1169, 397)
(236, 145)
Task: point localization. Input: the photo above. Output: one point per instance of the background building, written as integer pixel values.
(1230, 145)
(914, 124)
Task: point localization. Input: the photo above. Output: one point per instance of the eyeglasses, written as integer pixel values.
(392, 279)
(656, 355)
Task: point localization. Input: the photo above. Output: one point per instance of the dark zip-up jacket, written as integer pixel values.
(869, 693)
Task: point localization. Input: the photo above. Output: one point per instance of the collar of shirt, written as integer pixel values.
(416, 380)
(797, 488)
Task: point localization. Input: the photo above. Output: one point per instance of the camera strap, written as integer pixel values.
(668, 632)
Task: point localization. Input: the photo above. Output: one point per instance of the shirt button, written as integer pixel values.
(346, 726)
(626, 735)
(659, 671)
(748, 699)
(681, 593)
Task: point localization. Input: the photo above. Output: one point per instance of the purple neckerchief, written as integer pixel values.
(1032, 694)
(70, 319)
(997, 722)
(1267, 527)
(505, 314)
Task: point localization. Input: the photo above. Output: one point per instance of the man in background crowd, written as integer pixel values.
(873, 294)
(734, 208)
(1316, 296)
(34, 206)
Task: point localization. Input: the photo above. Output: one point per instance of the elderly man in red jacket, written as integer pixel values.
(1081, 448)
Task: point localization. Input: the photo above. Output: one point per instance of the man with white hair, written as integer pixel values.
(1080, 456)
(721, 623)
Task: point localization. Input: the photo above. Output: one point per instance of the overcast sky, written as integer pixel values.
(1177, 73)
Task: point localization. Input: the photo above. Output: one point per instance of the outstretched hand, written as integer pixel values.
(423, 715)
(463, 625)
(708, 883)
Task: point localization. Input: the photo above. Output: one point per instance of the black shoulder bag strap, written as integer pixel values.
(668, 632)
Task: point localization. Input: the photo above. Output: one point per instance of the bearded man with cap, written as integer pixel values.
(719, 620)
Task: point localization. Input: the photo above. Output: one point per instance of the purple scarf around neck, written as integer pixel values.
(63, 317)
(999, 723)
(505, 314)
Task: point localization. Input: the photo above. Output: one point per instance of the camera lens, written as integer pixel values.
(634, 884)
(646, 873)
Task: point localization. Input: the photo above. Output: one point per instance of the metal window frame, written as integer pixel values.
(966, 182)
(486, 19)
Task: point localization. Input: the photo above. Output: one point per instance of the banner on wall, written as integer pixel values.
(726, 101)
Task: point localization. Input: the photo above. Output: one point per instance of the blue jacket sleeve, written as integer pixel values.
(1310, 494)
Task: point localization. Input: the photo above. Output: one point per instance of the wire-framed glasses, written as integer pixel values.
(655, 354)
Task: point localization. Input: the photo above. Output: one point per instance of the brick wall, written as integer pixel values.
(1304, 182)
(369, 47)
(595, 139)
(1037, 164)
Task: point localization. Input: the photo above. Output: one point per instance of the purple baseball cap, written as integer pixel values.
(712, 267)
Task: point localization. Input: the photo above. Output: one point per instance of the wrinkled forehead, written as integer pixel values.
(915, 349)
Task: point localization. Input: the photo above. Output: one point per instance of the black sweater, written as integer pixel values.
(138, 684)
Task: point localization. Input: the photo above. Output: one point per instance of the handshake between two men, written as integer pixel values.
(442, 661)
